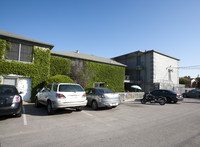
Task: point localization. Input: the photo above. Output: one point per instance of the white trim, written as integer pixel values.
(20, 45)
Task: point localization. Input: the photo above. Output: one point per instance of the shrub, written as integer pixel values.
(59, 79)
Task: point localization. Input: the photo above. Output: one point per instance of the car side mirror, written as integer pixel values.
(20, 92)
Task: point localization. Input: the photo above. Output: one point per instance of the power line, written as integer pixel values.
(193, 67)
(190, 67)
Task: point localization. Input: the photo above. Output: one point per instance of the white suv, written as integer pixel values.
(61, 95)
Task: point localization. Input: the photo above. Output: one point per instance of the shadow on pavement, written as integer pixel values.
(4, 117)
(88, 108)
(30, 109)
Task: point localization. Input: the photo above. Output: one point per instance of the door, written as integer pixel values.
(24, 86)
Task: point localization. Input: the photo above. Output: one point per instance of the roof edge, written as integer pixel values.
(113, 62)
(6, 35)
(145, 52)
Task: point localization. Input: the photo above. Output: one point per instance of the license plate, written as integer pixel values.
(114, 104)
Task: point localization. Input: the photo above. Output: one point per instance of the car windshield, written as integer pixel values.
(70, 88)
(8, 90)
(105, 91)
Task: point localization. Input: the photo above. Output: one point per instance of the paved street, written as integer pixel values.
(131, 124)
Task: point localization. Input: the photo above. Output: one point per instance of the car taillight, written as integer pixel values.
(16, 99)
(84, 95)
(60, 96)
(177, 95)
(101, 96)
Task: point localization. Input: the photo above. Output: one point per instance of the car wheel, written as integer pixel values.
(79, 108)
(37, 104)
(143, 101)
(50, 110)
(162, 102)
(94, 105)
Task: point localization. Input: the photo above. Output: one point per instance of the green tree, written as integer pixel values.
(198, 82)
(184, 80)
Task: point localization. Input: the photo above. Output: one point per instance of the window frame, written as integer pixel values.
(19, 56)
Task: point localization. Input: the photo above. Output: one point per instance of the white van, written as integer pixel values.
(61, 95)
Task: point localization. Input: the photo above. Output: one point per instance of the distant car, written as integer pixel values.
(61, 95)
(171, 96)
(10, 101)
(192, 94)
(102, 97)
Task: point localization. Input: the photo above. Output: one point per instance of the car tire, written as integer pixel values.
(37, 104)
(79, 108)
(162, 102)
(50, 110)
(19, 114)
(94, 105)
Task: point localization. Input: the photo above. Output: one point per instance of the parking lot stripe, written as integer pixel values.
(87, 113)
(24, 116)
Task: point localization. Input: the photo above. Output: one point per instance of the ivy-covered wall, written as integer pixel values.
(112, 76)
(60, 66)
(39, 70)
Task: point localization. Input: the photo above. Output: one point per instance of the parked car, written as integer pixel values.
(192, 94)
(102, 97)
(171, 96)
(10, 101)
(61, 95)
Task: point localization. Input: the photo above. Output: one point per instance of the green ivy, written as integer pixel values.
(2, 48)
(112, 76)
(60, 65)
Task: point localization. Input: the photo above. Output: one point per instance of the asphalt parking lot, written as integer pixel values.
(130, 124)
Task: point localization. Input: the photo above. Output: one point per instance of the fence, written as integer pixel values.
(126, 96)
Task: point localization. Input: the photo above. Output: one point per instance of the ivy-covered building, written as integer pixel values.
(89, 70)
(24, 62)
(28, 63)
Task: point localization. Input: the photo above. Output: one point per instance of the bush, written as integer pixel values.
(59, 79)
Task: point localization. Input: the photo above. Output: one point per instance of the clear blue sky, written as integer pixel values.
(109, 28)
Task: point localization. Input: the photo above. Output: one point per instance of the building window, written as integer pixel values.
(20, 52)
(99, 85)
(13, 52)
